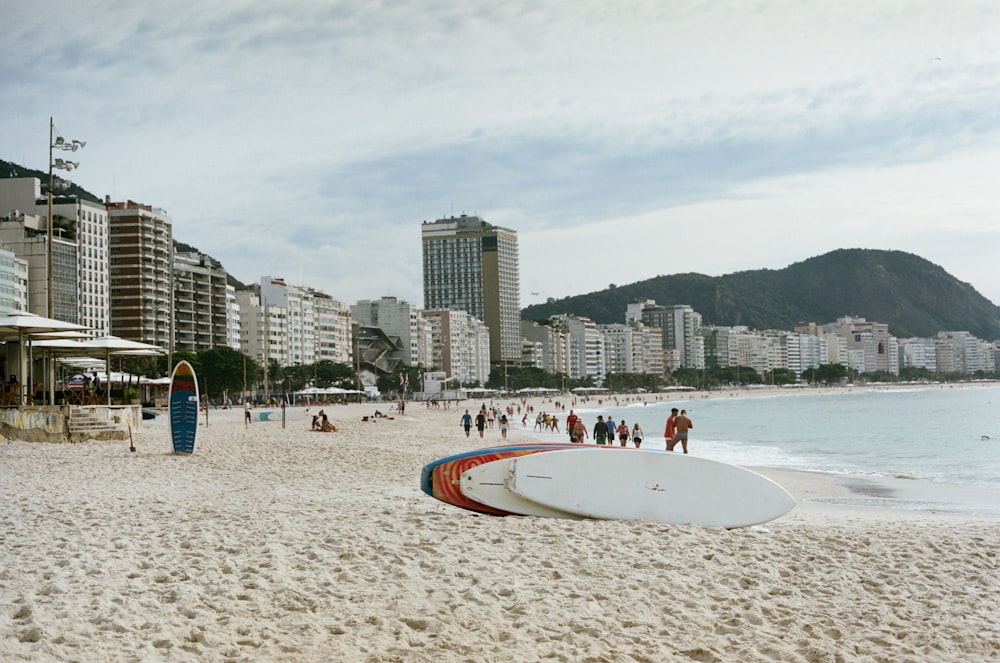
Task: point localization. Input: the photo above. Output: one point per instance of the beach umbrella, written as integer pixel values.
(23, 326)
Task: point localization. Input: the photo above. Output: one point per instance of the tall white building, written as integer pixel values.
(552, 343)
(680, 325)
(586, 348)
(460, 345)
(299, 319)
(333, 329)
(471, 265)
(92, 280)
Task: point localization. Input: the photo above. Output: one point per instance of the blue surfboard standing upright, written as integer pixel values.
(183, 408)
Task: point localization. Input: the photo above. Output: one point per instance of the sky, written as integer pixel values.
(622, 140)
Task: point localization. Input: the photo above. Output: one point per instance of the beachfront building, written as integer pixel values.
(333, 329)
(200, 303)
(803, 351)
(140, 269)
(961, 352)
(585, 349)
(460, 346)
(79, 251)
(86, 222)
(299, 326)
(878, 347)
(263, 328)
(835, 345)
(739, 346)
(633, 348)
(918, 353)
(399, 319)
(679, 325)
(618, 346)
(549, 346)
(13, 281)
(25, 264)
(471, 265)
(232, 318)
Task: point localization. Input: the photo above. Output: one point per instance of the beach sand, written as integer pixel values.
(277, 543)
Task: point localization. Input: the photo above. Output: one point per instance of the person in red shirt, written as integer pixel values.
(570, 423)
(670, 430)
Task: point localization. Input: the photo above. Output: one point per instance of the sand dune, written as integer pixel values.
(276, 543)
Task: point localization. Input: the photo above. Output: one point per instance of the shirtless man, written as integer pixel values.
(683, 424)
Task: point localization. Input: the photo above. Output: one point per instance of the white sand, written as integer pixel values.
(283, 544)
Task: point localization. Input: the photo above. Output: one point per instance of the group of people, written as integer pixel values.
(678, 425)
(604, 432)
(322, 423)
(481, 419)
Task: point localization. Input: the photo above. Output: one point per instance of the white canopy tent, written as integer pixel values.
(24, 327)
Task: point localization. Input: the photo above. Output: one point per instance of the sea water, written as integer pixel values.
(896, 438)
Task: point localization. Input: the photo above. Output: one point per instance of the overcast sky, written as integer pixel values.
(622, 140)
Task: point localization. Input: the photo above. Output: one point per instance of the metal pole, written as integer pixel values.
(48, 240)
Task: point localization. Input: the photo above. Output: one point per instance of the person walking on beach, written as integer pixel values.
(623, 433)
(467, 422)
(503, 426)
(612, 428)
(571, 424)
(600, 430)
(668, 432)
(481, 422)
(579, 432)
(683, 424)
(637, 435)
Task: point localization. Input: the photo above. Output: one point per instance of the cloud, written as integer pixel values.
(312, 138)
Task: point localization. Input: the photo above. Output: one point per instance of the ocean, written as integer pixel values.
(926, 448)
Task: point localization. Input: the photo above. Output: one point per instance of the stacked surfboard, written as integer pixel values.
(615, 483)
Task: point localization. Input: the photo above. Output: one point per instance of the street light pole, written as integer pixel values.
(48, 238)
(56, 142)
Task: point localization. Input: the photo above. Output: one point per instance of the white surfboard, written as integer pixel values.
(660, 486)
(487, 484)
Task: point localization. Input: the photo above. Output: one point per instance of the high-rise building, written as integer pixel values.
(23, 228)
(140, 251)
(200, 305)
(87, 221)
(472, 266)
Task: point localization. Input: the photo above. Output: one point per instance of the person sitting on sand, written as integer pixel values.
(315, 423)
(324, 423)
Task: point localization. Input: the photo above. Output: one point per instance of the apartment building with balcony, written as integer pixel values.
(333, 329)
(460, 345)
(200, 302)
(140, 269)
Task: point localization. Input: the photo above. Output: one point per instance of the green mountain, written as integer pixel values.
(914, 296)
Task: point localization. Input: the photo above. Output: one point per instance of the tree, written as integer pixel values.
(826, 373)
(221, 368)
(780, 376)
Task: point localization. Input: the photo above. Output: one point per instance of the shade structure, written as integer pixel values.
(24, 326)
(115, 345)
